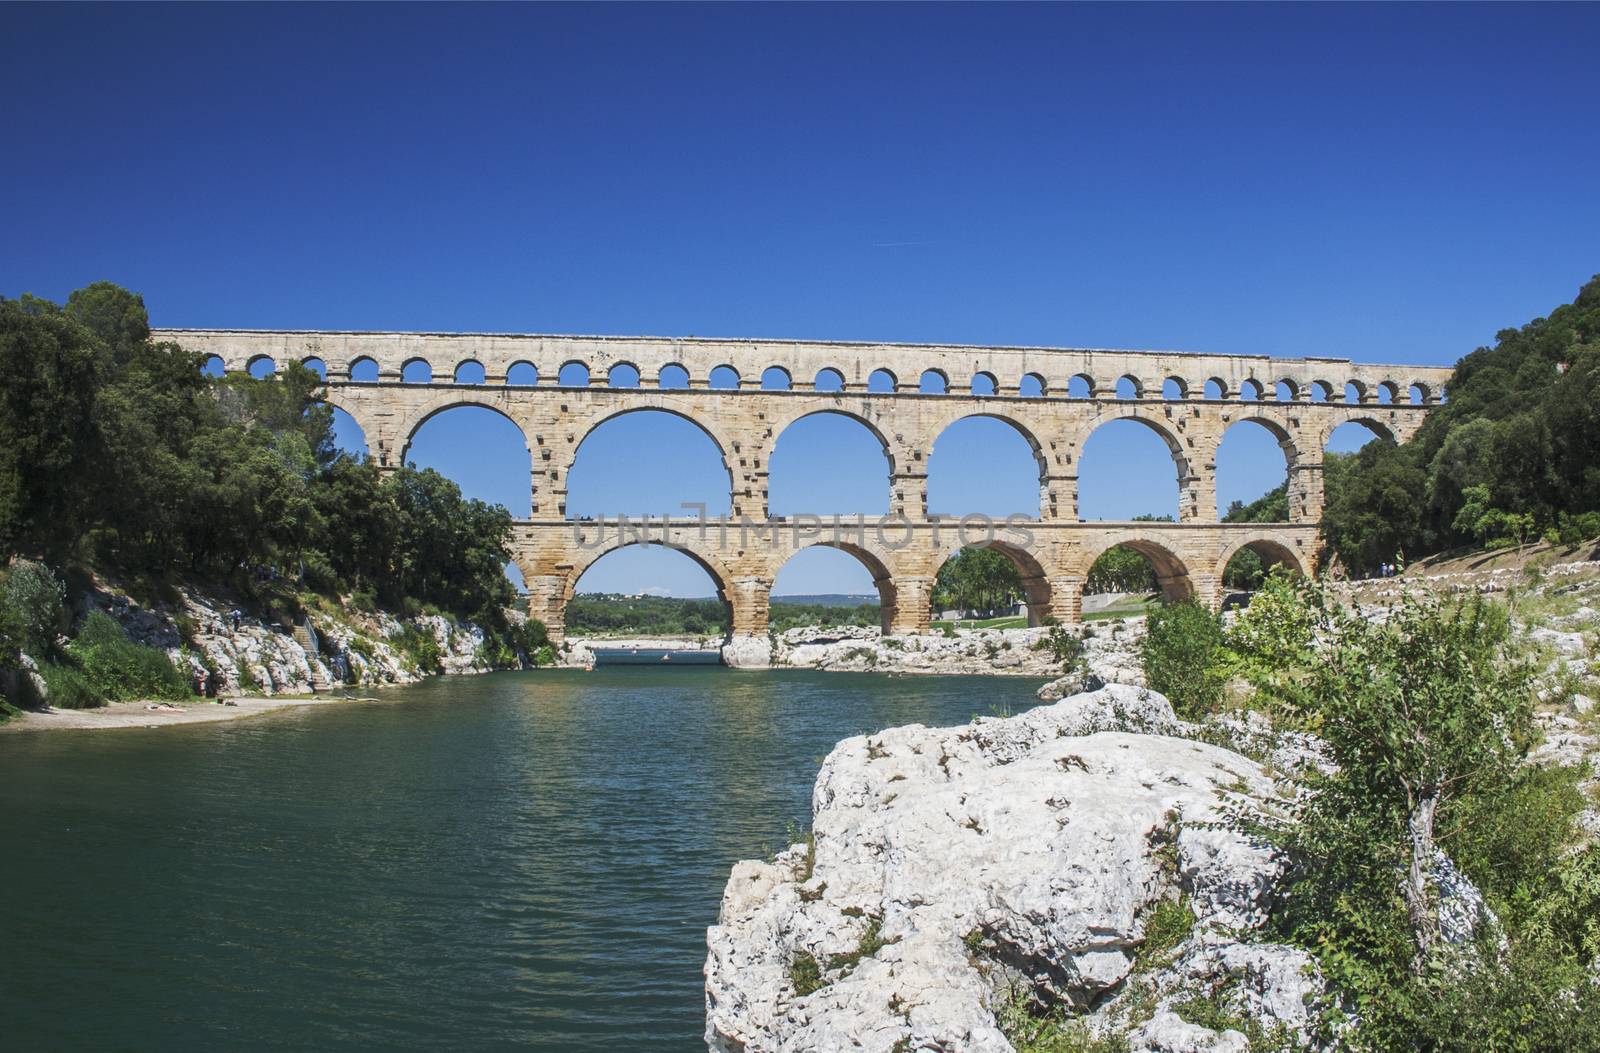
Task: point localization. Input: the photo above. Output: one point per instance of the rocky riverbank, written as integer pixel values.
(954, 872)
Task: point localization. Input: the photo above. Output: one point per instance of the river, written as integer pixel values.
(511, 861)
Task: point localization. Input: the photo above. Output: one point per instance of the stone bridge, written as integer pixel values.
(744, 393)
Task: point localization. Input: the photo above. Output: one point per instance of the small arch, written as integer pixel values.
(212, 366)
(1387, 393)
(262, 367)
(1080, 386)
(417, 371)
(1321, 391)
(1216, 390)
(881, 382)
(1250, 391)
(316, 365)
(622, 375)
(934, 382)
(1355, 391)
(776, 378)
(1128, 387)
(1032, 386)
(470, 372)
(1286, 390)
(1418, 393)
(573, 375)
(1173, 389)
(364, 371)
(724, 378)
(672, 377)
(984, 384)
(522, 375)
(828, 380)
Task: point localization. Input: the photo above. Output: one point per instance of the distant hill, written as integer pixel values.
(828, 599)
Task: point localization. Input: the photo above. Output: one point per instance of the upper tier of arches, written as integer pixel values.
(981, 372)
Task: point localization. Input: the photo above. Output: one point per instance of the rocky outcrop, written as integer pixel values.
(256, 657)
(953, 867)
(1110, 649)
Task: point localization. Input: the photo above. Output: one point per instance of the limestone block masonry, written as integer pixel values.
(1189, 400)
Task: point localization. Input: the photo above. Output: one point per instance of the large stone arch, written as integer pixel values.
(454, 398)
(1031, 431)
(1379, 428)
(1193, 502)
(678, 408)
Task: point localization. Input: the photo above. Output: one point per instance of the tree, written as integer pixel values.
(1180, 656)
(977, 579)
(1120, 569)
(1417, 711)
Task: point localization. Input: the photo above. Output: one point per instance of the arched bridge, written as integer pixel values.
(744, 393)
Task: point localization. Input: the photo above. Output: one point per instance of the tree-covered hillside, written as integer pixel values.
(116, 453)
(1513, 455)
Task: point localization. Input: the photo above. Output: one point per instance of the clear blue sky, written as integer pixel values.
(1386, 183)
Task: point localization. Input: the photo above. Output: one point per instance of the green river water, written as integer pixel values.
(511, 861)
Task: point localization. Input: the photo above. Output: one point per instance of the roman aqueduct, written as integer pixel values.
(1054, 398)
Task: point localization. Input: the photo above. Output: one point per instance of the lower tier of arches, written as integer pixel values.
(743, 558)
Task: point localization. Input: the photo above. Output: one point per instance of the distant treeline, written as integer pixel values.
(671, 616)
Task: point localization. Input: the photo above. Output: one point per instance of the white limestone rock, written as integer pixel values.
(747, 652)
(1041, 839)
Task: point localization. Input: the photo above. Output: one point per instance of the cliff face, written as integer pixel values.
(1020, 861)
(259, 658)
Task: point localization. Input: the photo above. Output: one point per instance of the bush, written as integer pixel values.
(122, 670)
(33, 606)
(420, 648)
(69, 688)
(1181, 655)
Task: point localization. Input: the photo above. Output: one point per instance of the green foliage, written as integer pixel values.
(1270, 507)
(1167, 925)
(162, 471)
(124, 671)
(32, 606)
(1428, 718)
(69, 688)
(1514, 450)
(1120, 569)
(419, 647)
(1271, 643)
(1181, 655)
(979, 579)
(1030, 1031)
(805, 975)
(1065, 648)
(646, 615)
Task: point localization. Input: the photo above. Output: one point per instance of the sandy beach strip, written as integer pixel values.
(140, 715)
